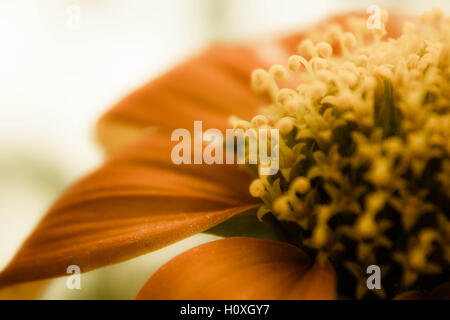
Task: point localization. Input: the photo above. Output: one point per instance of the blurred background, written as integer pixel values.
(63, 63)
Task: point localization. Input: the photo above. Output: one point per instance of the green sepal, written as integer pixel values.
(247, 224)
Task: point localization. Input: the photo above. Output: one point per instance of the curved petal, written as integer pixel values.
(241, 268)
(393, 27)
(441, 292)
(24, 291)
(137, 202)
(209, 87)
(411, 295)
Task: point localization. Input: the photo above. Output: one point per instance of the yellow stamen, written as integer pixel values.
(365, 143)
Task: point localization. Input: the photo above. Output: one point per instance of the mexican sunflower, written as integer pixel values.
(364, 179)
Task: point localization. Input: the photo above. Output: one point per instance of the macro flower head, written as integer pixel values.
(364, 180)
(365, 137)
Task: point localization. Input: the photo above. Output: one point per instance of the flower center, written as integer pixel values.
(365, 145)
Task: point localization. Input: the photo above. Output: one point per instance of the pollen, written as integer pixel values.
(324, 49)
(307, 48)
(278, 72)
(285, 125)
(259, 121)
(260, 80)
(365, 147)
(301, 185)
(281, 207)
(257, 188)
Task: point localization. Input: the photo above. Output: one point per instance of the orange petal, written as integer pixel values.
(24, 291)
(134, 204)
(210, 87)
(393, 28)
(411, 295)
(241, 268)
(441, 292)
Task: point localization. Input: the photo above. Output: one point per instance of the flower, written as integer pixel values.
(368, 135)
(363, 123)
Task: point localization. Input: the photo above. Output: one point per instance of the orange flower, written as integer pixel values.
(139, 201)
